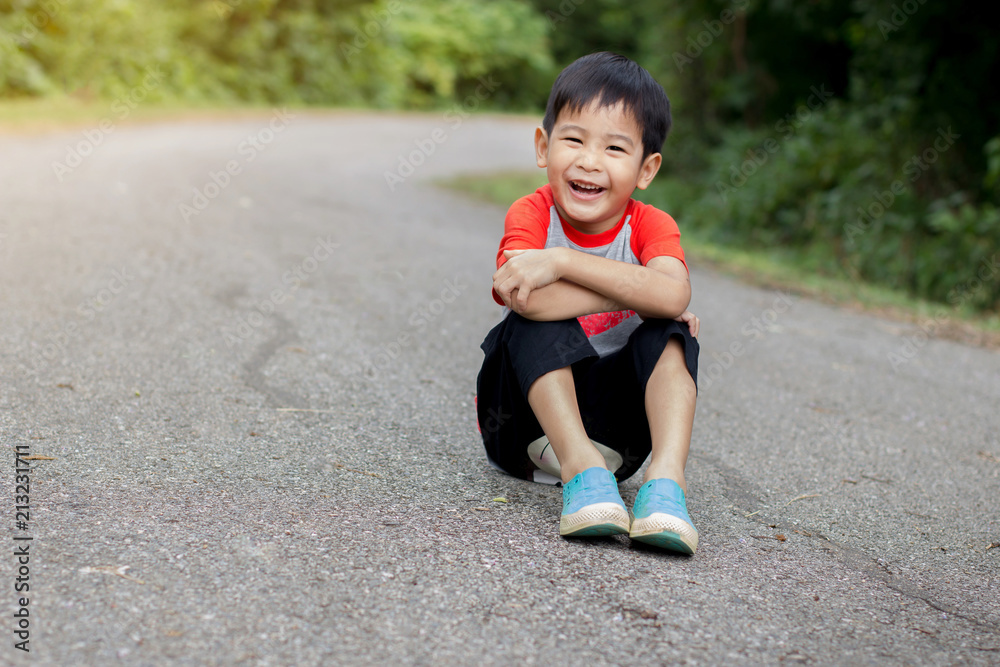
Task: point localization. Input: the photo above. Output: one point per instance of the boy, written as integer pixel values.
(594, 365)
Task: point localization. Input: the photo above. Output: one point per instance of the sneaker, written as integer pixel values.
(660, 517)
(592, 506)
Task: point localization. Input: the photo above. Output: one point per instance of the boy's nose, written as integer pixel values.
(587, 160)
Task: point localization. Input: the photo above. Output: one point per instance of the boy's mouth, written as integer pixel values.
(584, 190)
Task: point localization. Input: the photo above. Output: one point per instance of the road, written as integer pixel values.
(251, 357)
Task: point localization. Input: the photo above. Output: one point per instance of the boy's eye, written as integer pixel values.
(616, 148)
(574, 139)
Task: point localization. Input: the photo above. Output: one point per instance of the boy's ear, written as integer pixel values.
(541, 147)
(648, 170)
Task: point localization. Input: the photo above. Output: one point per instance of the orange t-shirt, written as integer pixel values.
(644, 232)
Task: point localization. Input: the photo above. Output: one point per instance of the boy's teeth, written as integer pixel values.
(587, 187)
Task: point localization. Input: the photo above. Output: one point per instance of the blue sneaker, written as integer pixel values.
(592, 506)
(660, 517)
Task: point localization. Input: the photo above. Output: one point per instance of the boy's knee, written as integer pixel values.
(516, 326)
(565, 332)
(675, 358)
(650, 335)
(515, 322)
(673, 353)
(532, 344)
(520, 322)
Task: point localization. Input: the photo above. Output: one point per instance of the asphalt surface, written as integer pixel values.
(264, 451)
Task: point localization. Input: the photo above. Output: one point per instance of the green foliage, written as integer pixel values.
(99, 48)
(436, 52)
(386, 53)
(853, 199)
(901, 77)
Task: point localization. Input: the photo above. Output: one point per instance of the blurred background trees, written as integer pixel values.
(862, 135)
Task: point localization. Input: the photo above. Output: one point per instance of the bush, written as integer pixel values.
(851, 196)
(384, 53)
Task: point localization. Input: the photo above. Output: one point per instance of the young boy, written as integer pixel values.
(594, 365)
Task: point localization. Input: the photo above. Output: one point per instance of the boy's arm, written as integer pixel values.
(562, 300)
(661, 289)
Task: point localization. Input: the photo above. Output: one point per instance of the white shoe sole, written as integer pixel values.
(594, 520)
(541, 454)
(665, 531)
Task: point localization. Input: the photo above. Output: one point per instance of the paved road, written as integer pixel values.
(259, 410)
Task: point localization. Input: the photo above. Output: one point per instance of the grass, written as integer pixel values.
(500, 188)
(40, 115)
(54, 113)
(775, 269)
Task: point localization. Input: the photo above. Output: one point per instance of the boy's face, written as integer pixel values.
(594, 163)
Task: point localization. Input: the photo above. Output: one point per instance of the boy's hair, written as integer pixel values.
(610, 78)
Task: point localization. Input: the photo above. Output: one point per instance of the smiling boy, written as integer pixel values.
(593, 368)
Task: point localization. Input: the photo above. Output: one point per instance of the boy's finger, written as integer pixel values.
(511, 299)
(522, 299)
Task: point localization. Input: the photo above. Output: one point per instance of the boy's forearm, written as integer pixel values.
(648, 291)
(563, 300)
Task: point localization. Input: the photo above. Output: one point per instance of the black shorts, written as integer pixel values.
(610, 390)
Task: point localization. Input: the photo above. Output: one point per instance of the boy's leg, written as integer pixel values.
(553, 400)
(641, 401)
(530, 364)
(612, 393)
(670, 403)
(660, 515)
(519, 352)
(592, 505)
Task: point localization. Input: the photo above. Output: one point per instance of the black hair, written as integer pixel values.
(610, 78)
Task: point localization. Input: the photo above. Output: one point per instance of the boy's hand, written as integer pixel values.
(525, 270)
(694, 324)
